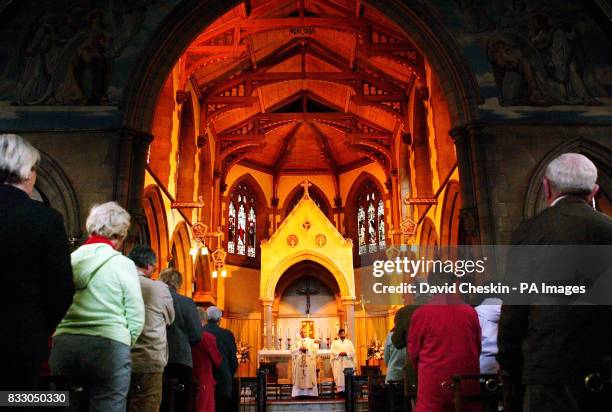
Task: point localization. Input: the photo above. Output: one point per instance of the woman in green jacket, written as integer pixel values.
(91, 346)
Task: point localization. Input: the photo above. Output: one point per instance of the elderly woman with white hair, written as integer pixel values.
(92, 343)
(36, 276)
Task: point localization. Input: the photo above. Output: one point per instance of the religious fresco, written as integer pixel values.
(534, 60)
(72, 52)
(66, 63)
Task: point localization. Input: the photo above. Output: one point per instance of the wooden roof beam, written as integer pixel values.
(284, 151)
(325, 149)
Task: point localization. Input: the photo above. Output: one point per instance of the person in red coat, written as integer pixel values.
(443, 341)
(205, 356)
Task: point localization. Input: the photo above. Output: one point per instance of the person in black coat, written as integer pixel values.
(36, 274)
(183, 334)
(552, 344)
(224, 375)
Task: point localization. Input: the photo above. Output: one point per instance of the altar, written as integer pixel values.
(283, 363)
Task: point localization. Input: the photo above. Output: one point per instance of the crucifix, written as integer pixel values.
(306, 184)
(307, 291)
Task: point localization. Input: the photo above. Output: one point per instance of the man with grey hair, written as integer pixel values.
(550, 349)
(229, 363)
(150, 354)
(36, 275)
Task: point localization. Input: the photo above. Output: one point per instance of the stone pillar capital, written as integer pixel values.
(266, 301)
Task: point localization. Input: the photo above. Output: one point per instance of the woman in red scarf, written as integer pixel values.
(205, 356)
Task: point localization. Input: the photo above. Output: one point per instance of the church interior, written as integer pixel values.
(272, 150)
(250, 116)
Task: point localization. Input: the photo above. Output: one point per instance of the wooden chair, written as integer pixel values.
(370, 370)
(271, 378)
(489, 396)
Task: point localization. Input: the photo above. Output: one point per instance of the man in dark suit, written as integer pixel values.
(36, 275)
(553, 343)
(229, 364)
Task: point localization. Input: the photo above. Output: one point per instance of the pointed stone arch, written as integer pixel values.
(450, 234)
(180, 245)
(53, 183)
(261, 211)
(350, 212)
(157, 223)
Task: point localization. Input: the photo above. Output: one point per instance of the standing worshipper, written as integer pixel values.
(395, 359)
(488, 316)
(206, 359)
(150, 354)
(92, 343)
(36, 275)
(183, 334)
(342, 356)
(443, 341)
(229, 362)
(548, 349)
(304, 360)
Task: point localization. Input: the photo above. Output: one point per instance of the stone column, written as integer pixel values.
(479, 176)
(266, 304)
(133, 147)
(464, 164)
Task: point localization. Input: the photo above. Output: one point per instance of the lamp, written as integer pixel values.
(199, 233)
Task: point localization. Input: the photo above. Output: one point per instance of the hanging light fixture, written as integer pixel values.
(199, 232)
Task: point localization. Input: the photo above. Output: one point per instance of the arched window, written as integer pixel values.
(370, 220)
(242, 222)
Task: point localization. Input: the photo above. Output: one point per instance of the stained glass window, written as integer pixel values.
(370, 220)
(242, 222)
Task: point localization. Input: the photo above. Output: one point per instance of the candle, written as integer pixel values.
(273, 334)
(264, 331)
(288, 332)
(328, 335)
(345, 327)
(319, 333)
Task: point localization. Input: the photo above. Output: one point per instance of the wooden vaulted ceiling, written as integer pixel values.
(303, 87)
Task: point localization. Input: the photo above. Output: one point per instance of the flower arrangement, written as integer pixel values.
(376, 350)
(243, 352)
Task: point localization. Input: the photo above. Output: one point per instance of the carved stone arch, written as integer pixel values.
(157, 222)
(180, 246)
(450, 235)
(428, 240)
(57, 190)
(261, 211)
(350, 212)
(600, 155)
(306, 268)
(316, 194)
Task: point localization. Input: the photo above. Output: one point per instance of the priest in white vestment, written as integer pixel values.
(304, 365)
(342, 356)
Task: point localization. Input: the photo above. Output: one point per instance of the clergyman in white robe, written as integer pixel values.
(304, 367)
(342, 356)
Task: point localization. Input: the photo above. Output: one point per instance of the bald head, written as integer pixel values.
(570, 174)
